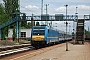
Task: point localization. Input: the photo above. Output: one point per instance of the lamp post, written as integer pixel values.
(76, 11)
(69, 28)
(46, 23)
(66, 28)
(74, 34)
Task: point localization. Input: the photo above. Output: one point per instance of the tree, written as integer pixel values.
(3, 19)
(3, 16)
(37, 24)
(28, 25)
(11, 9)
(1, 9)
(87, 32)
(14, 33)
(24, 22)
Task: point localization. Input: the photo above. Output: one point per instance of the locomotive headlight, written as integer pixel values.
(38, 34)
(42, 39)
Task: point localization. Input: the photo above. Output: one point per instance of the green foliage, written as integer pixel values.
(3, 19)
(28, 25)
(87, 32)
(37, 24)
(72, 33)
(3, 16)
(23, 41)
(14, 32)
(7, 12)
(4, 33)
(1, 9)
(11, 6)
(24, 22)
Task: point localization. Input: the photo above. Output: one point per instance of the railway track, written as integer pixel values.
(30, 51)
(27, 50)
(8, 50)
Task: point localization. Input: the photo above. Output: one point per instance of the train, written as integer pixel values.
(43, 35)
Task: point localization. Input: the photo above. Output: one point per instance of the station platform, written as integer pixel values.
(75, 52)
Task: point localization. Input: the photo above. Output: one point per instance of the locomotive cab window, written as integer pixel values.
(38, 32)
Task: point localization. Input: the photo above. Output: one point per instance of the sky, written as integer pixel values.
(57, 7)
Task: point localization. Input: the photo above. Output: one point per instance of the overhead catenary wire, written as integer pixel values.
(29, 10)
(31, 4)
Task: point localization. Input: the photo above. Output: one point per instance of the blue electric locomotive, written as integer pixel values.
(43, 35)
(38, 35)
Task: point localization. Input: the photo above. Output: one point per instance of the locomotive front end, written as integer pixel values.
(38, 36)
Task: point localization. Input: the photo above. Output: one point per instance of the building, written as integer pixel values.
(24, 34)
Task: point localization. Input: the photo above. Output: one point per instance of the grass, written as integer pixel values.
(21, 41)
(11, 42)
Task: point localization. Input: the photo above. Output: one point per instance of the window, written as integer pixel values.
(23, 34)
(39, 31)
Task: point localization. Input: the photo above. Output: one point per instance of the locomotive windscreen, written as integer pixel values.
(38, 31)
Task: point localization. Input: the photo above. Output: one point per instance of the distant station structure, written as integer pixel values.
(47, 17)
(80, 31)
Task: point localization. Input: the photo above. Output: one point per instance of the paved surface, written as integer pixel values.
(76, 52)
(58, 52)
